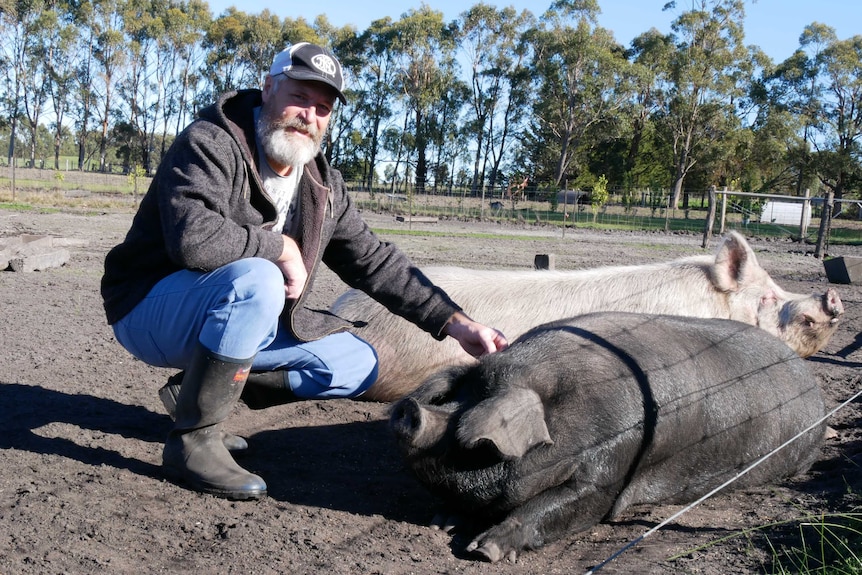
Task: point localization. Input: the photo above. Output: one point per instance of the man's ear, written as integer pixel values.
(267, 88)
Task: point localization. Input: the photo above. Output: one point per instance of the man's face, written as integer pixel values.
(293, 120)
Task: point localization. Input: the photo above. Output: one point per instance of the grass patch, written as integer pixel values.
(21, 207)
(432, 233)
(52, 200)
(828, 544)
(823, 544)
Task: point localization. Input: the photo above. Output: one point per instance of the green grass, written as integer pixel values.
(23, 207)
(843, 236)
(828, 544)
(821, 544)
(57, 186)
(432, 233)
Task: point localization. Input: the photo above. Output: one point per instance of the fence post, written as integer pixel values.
(566, 211)
(723, 211)
(825, 223)
(806, 210)
(710, 217)
(667, 213)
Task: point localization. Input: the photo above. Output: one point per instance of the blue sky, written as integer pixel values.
(774, 25)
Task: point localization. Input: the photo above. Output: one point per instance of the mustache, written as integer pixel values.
(298, 125)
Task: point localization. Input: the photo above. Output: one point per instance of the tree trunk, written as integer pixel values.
(421, 151)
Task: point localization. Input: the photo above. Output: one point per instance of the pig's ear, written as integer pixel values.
(513, 421)
(734, 263)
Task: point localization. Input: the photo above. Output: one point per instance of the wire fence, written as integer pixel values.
(624, 209)
(752, 214)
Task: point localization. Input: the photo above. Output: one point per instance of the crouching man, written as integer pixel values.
(222, 252)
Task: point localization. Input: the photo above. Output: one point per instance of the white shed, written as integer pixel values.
(785, 213)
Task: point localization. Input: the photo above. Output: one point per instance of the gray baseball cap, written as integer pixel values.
(305, 61)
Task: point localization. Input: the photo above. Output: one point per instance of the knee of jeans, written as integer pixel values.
(262, 283)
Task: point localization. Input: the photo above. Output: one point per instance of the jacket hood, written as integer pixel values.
(234, 111)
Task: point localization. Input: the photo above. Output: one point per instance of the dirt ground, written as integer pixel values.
(81, 488)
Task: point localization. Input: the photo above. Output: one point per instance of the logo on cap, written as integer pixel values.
(325, 64)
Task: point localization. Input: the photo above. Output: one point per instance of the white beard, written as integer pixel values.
(285, 147)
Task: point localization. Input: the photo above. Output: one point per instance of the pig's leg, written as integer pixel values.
(544, 519)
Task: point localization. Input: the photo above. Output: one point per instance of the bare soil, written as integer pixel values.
(81, 488)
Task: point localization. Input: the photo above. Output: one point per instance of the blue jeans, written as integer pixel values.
(234, 312)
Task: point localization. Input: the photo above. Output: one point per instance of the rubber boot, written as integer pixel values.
(262, 389)
(267, 389)
(194, 451)
(169, 393)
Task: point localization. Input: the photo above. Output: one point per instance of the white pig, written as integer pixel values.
(731, 285)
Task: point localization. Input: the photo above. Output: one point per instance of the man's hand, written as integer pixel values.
(475, 338)
(290, 263)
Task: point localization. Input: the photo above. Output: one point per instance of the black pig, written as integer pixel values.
(581, 418)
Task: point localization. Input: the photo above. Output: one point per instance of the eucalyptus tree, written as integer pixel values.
(708, 70)
(222, 40)
(821, 83)
(36, 75)
(60, 66)
(110, 56)
(793, 92)
(838, 158)
(140, 88)
(265, 35)
(760, 160)
(425, 46)
(240, 49)
(396, 141)
(579, 70)
(320, 31)
(83, 96)
(24, 93)
(515, 109)
(374, 93)
(776, 160)
(12, 49)
(164, 47)
(455, 154)
(821, 86)
(343, 144)
(445, 128)
(180, 56)
(650, 54)
(490, 39)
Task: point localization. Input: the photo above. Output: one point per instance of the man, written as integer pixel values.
(212, 275)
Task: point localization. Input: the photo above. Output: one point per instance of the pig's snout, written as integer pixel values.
(416, 426)
(832, 304)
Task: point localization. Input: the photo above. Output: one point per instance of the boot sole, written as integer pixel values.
(179, 477)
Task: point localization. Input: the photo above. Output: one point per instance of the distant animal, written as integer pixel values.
(730, 285)
(582, 418)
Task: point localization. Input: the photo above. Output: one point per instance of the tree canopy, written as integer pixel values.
(489, 100)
